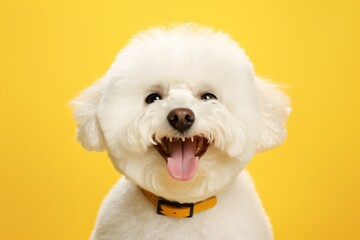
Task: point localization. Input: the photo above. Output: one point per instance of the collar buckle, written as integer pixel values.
(178, 210)
(174, 209)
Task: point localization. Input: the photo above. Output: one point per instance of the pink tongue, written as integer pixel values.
(182, 163)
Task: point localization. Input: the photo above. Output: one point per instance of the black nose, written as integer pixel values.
(181, 119)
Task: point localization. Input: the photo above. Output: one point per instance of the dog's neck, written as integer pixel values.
(178, 210)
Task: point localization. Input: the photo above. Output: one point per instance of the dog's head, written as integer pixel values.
(181, 112)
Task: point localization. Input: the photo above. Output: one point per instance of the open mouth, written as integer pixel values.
(182, 155)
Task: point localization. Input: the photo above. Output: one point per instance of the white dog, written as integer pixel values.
(180, 113)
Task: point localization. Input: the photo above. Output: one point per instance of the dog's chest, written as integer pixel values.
(127, 214)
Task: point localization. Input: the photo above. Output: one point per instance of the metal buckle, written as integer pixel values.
(176, 205)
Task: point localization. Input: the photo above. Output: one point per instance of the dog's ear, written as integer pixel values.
(85, 105)
(274, 108)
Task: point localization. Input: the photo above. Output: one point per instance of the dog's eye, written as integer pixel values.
(152, 98)
(208, 96)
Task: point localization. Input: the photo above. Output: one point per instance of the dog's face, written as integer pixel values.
(181, 112)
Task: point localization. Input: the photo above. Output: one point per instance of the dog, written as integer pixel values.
(180, 113)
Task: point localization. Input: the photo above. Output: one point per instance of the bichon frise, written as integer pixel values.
(180, 113)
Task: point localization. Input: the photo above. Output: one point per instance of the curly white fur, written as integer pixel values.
(181, 64)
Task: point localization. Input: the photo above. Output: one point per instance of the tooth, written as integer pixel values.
(183, 138)
(192, 139)
(153, 142)
(170, 139)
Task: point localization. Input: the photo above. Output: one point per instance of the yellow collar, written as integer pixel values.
(178, 210)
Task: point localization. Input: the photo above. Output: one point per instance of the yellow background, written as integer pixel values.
(50, 50)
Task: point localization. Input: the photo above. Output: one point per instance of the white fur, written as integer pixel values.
(182, 63)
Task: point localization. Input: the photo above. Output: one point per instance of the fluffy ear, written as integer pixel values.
(89, 133)
(275, 108)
